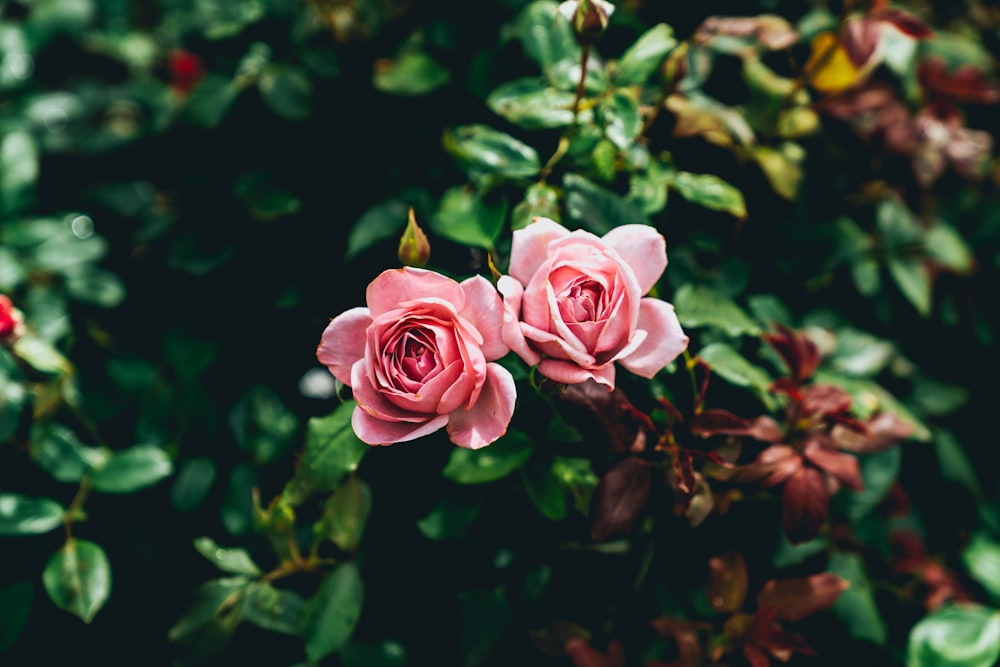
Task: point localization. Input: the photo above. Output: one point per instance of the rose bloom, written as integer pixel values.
(574, 305)
(11, 321)
(418, 359)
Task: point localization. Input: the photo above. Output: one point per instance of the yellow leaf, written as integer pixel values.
(829, 69)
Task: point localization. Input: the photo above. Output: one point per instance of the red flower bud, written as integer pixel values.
(589, 18)
(186, 71)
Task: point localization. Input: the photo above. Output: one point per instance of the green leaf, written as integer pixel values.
(954, 463)
(211, 100)
(61, 454)
(769, 310)
(869, 397)
(331, 452)
(13, 396)
(382, 654)
(274, 609)
(855, 607)
(546, 36)
(78, 578)
(131, 469)
(21, 515)
(263, 425)
(95, 286)
(860, 353)
(18, 170)
(982, 559)
(411, 73)
(465, 218)
(449, 517)
(484, 151)
(787, 554)
(576, 475)
(736, 369)
(878, 471)
(532, 104)
(619, 115)
(700, 306)
(596, 209)
(645, 56)
(955, 636)
(287, 91)
(938, 398)
(237, 506)
(216, 606)
(944, 244)
(648, 189)
(333, 611)
(485, 615)
(913, 281)
(709, 191)
(345, 514)
(900, 229)
(233, 561)
(540, 200)
(15, 607)
(192, 484)
(478, 466)
(41, 355)
(265, 196)
(545, 490)
(380, 222)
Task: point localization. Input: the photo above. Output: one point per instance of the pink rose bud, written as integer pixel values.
(589, 18)
(11, 321)
(414, 248)
(419, 358)
(574, 304)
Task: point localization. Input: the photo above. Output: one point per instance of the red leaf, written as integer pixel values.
(772, 32)
(584, 655)
(805, 504)
(684, 472)
(755, 656)
(722, 422)
(772, 467)
(842, 466)
(799, 352)
(860, 39)
(903, 21)
(966, 83)
(685, 634)
(825, 399)
(619, 498)
(795, 599)
(613, 411)
(881, 432)
(726, 589)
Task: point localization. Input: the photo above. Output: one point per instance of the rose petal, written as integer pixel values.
(643, 249)
(485, 311)
(373, 431)
(488, 419)
(530, 247)
(343, 342)
(665, 339)
(513, 337)
(570, 373)
(376, 404)
(397, 286)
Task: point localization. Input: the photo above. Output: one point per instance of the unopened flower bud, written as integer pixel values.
(414, 248)
(589, 18)
(11, 322)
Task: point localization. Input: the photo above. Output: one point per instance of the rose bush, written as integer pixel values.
(574, 304)
(418, 359)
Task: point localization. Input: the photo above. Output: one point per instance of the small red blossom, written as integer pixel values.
(11, 321)
(186, 70)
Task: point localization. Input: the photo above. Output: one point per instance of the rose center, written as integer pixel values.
(583, 301)
(417, 357)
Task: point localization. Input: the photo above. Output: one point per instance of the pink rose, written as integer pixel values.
(417, 359)
(573, 302)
